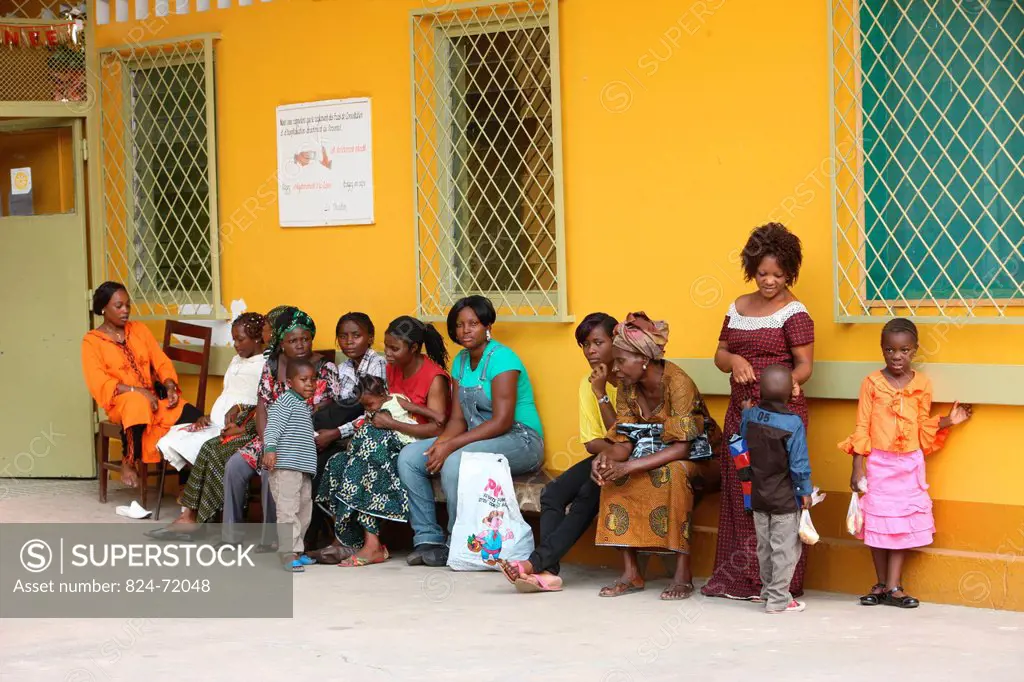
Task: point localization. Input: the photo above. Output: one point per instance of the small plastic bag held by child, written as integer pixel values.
(854, 517)
(808, 535)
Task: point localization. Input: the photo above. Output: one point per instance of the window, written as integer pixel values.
(487, 159)
(159, 172)
(928, 122)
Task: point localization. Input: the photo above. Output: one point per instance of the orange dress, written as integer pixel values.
(138, 362)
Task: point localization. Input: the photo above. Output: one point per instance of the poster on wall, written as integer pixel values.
(325, 163)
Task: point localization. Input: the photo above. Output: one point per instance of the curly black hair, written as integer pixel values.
(251, 324)
(773, 239)
(899, 325)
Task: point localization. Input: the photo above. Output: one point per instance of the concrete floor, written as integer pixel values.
(393, 622)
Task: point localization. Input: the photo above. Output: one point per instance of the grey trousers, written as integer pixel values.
(237, 475)
(778, 550)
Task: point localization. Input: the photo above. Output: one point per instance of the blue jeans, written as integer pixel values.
(522, 447)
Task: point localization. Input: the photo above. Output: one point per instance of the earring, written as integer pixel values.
(645, 366)
(488, 334)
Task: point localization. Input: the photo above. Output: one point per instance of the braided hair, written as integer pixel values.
(417, 333)
(900, 325)
(251, 324)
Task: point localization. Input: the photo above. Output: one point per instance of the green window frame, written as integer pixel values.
(929, 216)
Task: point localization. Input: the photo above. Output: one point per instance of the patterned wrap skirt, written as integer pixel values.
(651, 511)
(204, 490)
(360, 485)
(897, 508)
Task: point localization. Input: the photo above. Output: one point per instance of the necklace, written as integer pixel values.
(110, 331)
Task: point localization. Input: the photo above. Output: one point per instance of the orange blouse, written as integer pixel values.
(895, 420)
(140, 362)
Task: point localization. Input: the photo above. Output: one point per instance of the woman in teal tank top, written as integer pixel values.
(492, 411)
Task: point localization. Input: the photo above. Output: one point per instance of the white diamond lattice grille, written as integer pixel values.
(928, 141)
(487, 158)
(159, 204)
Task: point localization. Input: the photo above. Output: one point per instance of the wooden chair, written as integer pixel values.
(109, 430)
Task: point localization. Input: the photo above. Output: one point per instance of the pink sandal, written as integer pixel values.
(538, 582)
(513, 570)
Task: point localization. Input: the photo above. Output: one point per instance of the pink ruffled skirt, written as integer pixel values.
(897, 509)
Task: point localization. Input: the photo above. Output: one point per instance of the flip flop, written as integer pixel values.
(685, 593)
(293, 566)
(535, 583)
(619, 588)
(512, 570)
(306, 560)
(357, 561)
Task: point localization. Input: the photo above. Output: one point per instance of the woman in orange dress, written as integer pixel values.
(132, 379)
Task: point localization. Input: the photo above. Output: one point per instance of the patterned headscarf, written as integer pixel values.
(286, 320)
(642, 335)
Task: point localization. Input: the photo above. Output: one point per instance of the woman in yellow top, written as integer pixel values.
(895, 430)
(663, 448)
(574, 490)
(126, 373)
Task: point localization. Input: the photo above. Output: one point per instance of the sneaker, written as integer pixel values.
(794, 605)
(435, 556)
(415, 557)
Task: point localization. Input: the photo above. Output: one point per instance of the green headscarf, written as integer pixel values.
(285, 320)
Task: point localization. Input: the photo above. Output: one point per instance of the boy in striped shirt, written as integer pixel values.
(289, 454)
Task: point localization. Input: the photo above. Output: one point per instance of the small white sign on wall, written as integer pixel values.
(21, 180)
(325, 163)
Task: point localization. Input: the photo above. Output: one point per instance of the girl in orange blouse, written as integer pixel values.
(895, 430)
(122, 364)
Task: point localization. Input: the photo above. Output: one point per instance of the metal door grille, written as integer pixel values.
(928, 141)
(158, 169)
(487, 158)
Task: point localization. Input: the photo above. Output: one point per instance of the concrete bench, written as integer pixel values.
(528, 489)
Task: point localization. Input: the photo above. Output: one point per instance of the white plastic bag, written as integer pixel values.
(854, 517)
(808, 535)
(488, 523)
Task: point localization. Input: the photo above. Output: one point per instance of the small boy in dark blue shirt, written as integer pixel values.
(781, 485)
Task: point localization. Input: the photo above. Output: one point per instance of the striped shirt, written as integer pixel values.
(289, 433)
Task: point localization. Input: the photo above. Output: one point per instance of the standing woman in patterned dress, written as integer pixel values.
(765, 327)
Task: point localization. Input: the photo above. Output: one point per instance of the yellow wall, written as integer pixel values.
(683, 129)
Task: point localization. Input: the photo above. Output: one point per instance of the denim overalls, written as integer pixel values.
(522, 447)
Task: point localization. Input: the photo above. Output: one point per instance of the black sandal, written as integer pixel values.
(904, 602)
(873, 598)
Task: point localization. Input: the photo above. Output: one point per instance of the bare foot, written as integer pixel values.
(374, 555)
(129, 475)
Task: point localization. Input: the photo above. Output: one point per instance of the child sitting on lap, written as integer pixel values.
(361, 487)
